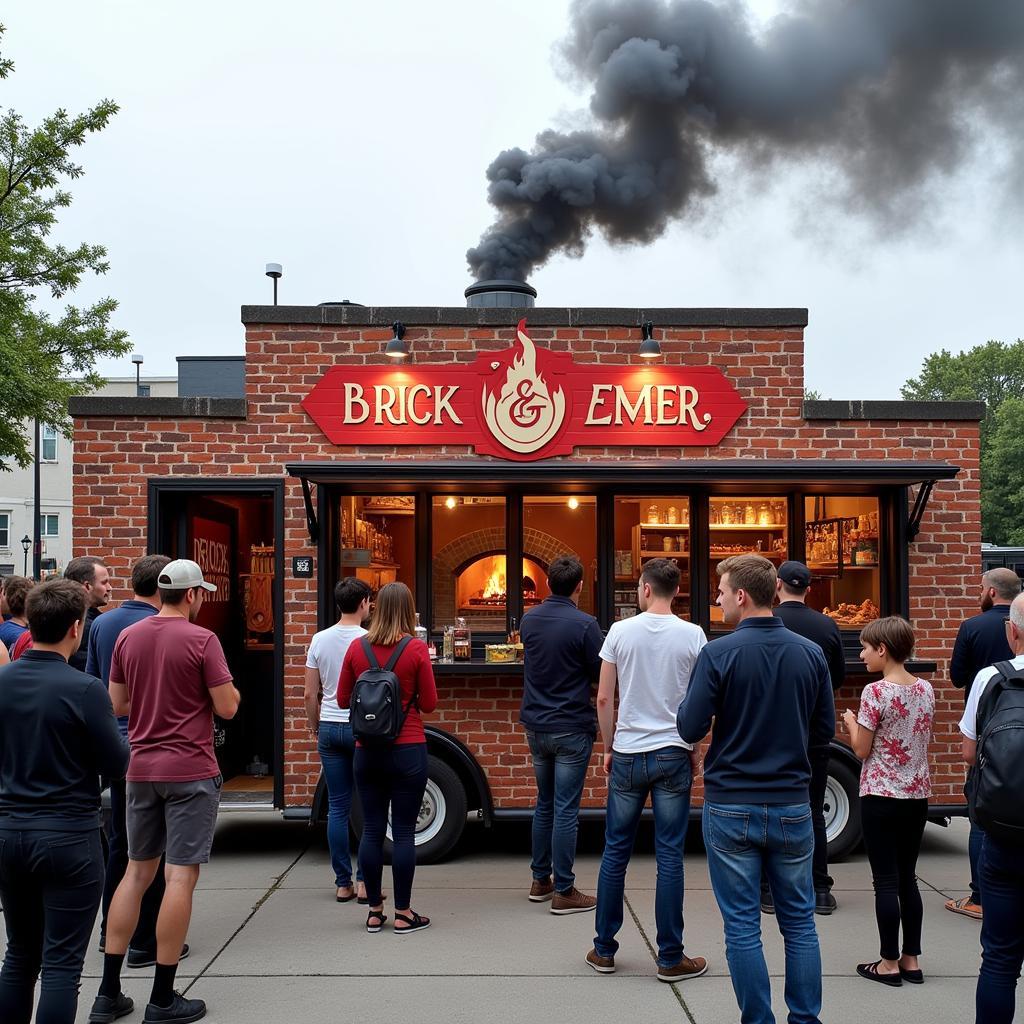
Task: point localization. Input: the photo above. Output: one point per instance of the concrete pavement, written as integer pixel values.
(270, 945)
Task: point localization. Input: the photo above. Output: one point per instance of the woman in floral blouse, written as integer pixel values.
(890, 734)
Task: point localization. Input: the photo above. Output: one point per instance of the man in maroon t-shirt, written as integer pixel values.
(169, 676)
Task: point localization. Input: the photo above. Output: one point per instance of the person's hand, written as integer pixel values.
(607, 763)
(849, 720)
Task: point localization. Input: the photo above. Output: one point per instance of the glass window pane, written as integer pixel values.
(378, 539)
(842, 552)
(49, 444)
(5, 529)
(469, 576)
(653, 526)
(556, 525)
(744, 526)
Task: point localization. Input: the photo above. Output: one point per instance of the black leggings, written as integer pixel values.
(892, 834)
(395, 775)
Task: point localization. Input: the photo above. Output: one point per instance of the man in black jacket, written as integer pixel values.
(90, 572)
(981, 642)
(58, 735)
(562, 648)
(793, 584)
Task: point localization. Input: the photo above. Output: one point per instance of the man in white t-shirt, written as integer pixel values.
(1001, 864)
(651, 657)
(330, 724)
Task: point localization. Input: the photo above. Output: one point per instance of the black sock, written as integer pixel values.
(111, 984)
(163, 985)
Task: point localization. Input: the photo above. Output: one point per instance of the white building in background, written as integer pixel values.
(55, 458)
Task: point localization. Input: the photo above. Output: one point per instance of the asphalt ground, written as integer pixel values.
(270, 945)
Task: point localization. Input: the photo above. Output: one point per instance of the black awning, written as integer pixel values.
(389, 473)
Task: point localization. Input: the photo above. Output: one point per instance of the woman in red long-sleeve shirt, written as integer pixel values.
(394, 774)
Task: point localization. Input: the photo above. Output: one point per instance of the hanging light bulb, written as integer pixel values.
(450, 502)
(574, 503)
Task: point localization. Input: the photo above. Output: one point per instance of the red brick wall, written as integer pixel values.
(114, 459)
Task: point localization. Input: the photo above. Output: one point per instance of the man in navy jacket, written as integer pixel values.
(768, 691)
(562, 647)
(981, 642)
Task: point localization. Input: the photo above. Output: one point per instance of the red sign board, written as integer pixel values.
(525, 403)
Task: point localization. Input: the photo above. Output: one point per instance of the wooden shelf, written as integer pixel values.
(664, 526)
(745, 527)
(665, 554)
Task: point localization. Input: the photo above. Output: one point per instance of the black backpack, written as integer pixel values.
(376, 713)
(997, 784)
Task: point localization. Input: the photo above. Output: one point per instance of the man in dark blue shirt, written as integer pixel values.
(58, 734)
(562, 648)
(981, 642)
(105, 630)
(768, 691)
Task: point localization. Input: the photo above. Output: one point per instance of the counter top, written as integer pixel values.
(479, 667)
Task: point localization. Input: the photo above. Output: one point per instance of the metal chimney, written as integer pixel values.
(500, 293)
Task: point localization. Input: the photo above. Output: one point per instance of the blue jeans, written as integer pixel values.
(50, 886)
(337, 748)
(560, 763)
(664, 774)
(1002, 938)
(740, 838)
(974, 844)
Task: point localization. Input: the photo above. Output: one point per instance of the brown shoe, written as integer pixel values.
(541, 890)
(688, 967)
(966, 906)
(572, 902)
(601, 964)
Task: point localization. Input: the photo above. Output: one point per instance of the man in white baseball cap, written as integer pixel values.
(169, 676)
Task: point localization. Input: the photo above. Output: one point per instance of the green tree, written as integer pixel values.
(992, 373)
(1002, 474)
(40, 352)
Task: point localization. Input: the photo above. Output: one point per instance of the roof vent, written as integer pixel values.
(500, 293)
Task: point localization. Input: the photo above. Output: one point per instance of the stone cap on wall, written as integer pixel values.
(195, 407)
(538, 316)
(853, 410)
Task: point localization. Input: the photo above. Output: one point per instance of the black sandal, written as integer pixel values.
(413, 923)
(375, 920)
(870, 971)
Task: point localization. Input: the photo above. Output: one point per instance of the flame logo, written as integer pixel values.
(525, 415)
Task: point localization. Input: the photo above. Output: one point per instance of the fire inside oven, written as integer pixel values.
(481, 589)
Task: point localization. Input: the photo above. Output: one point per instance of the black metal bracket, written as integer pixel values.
(924, 492)
(311, 521)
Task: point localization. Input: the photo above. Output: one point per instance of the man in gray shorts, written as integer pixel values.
(169, 676)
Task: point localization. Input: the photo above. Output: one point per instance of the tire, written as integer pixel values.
(442, 814)
(842, 809)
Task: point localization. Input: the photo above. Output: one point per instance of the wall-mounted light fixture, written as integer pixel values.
(649, 348)
(396, 347)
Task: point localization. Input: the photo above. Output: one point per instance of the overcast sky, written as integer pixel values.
(349, 142)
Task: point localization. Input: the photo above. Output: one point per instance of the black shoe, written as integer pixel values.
(767, 902)
(181, 1011)
(105, 1010)
(824, 903)
(143, 958)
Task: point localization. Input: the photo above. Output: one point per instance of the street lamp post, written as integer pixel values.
(137, 360)
(26, 543)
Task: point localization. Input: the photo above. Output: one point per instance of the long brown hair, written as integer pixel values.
(394, 615)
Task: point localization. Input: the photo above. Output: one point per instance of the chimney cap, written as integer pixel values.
(500, 292)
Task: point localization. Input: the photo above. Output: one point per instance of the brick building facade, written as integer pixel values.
(123, 446)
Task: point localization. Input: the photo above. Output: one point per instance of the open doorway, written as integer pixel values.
(234, 535)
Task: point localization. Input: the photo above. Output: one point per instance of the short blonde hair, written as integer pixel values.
(754, 575)
(394, 615)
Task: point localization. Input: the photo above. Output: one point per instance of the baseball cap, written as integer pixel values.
(796, 574)
(181, 574)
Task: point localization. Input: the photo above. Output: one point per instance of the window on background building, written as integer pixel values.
(842, 550)
(556, 525)
(378, 539)
(49, 444)
(745, 526)
(5, 529)
(49, 525)
(469, 571)
(654, 526)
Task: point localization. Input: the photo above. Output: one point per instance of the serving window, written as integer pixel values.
(377, 537)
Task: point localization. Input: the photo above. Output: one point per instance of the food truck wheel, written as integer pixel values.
(842, 809)
(442, 814)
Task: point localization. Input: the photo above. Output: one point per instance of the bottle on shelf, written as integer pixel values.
(420, 631)
(462, 640)
(513, 630)
(448, 644)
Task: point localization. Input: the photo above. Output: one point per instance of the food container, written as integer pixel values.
(673, 516)
(652, 515)
(668, 544)
(504, 653)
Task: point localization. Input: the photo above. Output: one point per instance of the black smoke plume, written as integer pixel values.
(887, 94)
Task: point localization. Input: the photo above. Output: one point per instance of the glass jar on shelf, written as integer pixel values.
(673, 516)
(462, 640)
(728, 515)
(652, 515)
(668, 543)
(750, 515)
(715, 515)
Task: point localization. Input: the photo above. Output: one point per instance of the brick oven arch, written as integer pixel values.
(452, 558)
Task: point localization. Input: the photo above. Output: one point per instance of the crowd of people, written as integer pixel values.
(135, 712)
